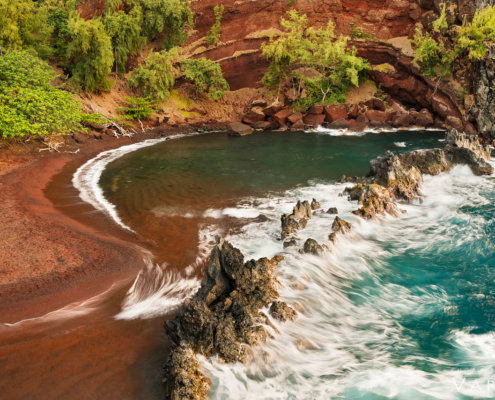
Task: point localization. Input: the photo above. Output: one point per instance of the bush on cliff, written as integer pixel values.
(124, 30)
(312, 63)
(206, 75)
(89, 54)
(213, 36)
(431, 56)
(29, 105)
(156, 76)
(472, 38)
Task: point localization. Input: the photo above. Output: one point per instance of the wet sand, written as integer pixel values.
(55, 251)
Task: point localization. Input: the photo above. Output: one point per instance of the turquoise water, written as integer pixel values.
(401, 308)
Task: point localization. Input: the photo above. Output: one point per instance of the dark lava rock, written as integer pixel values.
(315, 205)
(311, 246)
(290, 243)
(222, 318)
(282, 312)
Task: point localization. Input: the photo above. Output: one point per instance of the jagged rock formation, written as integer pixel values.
(399, 177)
(223, 318)
(297, 220)
(484, 94)
(339, 226)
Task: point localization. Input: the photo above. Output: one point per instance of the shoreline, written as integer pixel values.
(53, 255)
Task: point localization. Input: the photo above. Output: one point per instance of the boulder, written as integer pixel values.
(256, 114)
(290, 243)
(315, 110)
(424, 118)
(262, 125)
(402, 120)
(341, 226)
(339, 124)
(282, 312)
(240, 129)
(295, 117)
(302, 210)
(272, 110)
(311, 246)
(282, 116)
(315, 205)
(314, 120)
(332, 210)
(334, 113)
(378, 118)
(354, 112)
(297, 126)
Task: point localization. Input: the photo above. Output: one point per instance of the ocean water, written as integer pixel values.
(400, 308)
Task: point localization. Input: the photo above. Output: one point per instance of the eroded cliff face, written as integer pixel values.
(246, 25)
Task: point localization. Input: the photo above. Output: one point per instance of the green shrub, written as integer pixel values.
(156, 76)
(206, 75)
(89, 54)
(138, 108)
(23, 23)
(314, 61)
(213, 36)
(170, 16)
(60, 35)
(29, 105)
(441, 24)
(125, 33)
(472, 38)
(431, 56)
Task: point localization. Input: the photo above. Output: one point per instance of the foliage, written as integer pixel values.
(441, 24)
(138, 108)
(472, 38)
(213, 36)
(60, 34)
(125, 33)
(312, 60)
(169, 16)
(23, 24)
(29, 105)
(89, 53)
(206, 75)
(156, 75)
(431, 56)
(358, 33)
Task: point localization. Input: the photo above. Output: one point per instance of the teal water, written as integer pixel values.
(401, 308)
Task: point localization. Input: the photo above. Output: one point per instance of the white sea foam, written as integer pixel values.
(344, 341)
(400, 144)
(87, 177)
(346, 132)
(72, 310)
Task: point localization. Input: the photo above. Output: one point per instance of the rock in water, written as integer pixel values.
(311, 246)
(223, 318)
(339, 226)
(302, 210)
(282, 312)
(332, 210)
(315, 205)
(297, 220)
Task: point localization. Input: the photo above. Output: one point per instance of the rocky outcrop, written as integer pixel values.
(311, 246)
(339, 226)
(297, 220)
(484, 94)
(223, 318)
(399, 177)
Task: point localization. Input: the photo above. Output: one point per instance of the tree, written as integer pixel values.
(206, 75)
(472, 38)
(125, 33)
(312, 61)
(169, 16)
(89, 53)
(213, 36)
(156, 76)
